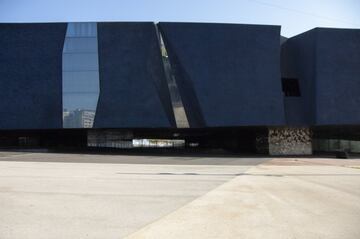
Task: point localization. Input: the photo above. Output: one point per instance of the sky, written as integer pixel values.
(295, 16)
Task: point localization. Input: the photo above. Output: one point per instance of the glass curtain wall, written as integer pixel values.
(80, 75)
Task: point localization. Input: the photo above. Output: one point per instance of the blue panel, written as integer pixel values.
(133, 88)
(79, 101)
(338, 76)
(80, 44)
(81, 81)
(327, 64)
(80, 75)
(227, 74)
(80, 62)
(82, 29)
(30, 75)
(298, 62)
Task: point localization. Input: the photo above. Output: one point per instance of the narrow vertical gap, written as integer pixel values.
(80, 75)
(176, 101)
(98, 68)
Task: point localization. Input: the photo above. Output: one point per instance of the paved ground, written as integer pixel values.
(48, 196)
(133, 157)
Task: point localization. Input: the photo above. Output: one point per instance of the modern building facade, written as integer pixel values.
(213, 85)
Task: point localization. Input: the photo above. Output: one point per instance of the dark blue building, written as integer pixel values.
(214, 85)
(320, 73)
(227, 74)
(31, 75)
(133, 86)
(325, 65)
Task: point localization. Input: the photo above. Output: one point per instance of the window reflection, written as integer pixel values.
(80, 75)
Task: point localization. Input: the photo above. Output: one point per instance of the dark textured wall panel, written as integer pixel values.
(133, 88)
(227, 74)
(337, 76)
(327, 63)
(298, 61)
(30, 75)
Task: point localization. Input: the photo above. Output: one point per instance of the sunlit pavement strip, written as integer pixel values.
(45, 200)
(13, 154)
(295, 199)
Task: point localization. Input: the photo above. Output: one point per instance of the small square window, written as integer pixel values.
(291, 87)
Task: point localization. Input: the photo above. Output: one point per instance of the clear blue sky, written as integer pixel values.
(295, 16)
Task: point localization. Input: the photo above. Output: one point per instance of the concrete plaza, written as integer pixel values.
(56, 195)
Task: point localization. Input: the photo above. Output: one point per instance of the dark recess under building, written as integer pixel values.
(239, 87)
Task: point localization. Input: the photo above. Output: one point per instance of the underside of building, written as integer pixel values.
(243, 88)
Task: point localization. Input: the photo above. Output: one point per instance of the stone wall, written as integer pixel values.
(290, 141)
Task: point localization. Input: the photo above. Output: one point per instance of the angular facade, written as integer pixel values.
(31, 75)
(212, 84)
(227, 74)
(325, 63)
(133, 88)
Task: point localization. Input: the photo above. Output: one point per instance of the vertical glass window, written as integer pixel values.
(80, 75)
